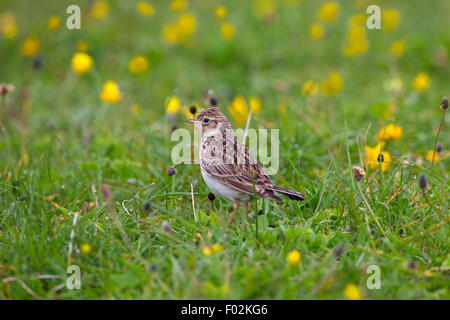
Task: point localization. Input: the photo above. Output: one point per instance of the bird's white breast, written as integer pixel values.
(220, 188)
(213, 183)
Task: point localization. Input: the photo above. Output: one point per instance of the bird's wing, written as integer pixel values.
(233, 164)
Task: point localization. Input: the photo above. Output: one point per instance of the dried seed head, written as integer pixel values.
(147, 205)
(171, 171)
(380, 157)
(422, 181)
(358, 173)
(412, 264)
(439, 148)
(106, 191)
(166, 226)
(339, 250)
(444, 103)
(197, 238)
(212, 101)
(37, 62)
(260, 212)
(193, 110)
(211, 196)
(5, 88)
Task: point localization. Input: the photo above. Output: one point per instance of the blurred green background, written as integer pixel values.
(310, 68)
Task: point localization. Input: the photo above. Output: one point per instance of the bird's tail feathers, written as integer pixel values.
(291, 194)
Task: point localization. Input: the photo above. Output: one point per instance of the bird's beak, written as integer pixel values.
(191, 120)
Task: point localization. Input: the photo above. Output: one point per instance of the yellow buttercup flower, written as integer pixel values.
(390, 19)
(172, 104)
(255, 104)
(238, 109)
(390, 132)
(100, 10)
(81, 63)
(351, 292)
(397, 48)
(10, 31)
(181, 30)
(356, 33)
(110, 92)
(138, 64)
(227, 31)
(53, 23)
(356, 42)
(170, 33)
(331, 85)
(293, 257)
(329, 11)
(8, 25)
(187, 111)
(217, 248)
(429, 156)
(145, 8)
(207, 251)
(178, 5)
(421, 82)
(82, 46)
(316, 31)
(371, 157)
(220, 12)
(86, 248)
(355, 48)
(428, 273)
(357, 20)
(310, 88)
(30, 46)
(187, 24)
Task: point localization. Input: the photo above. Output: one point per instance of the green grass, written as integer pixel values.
(59, 144)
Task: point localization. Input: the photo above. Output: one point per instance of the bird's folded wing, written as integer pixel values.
(239, 181)
(236, 172)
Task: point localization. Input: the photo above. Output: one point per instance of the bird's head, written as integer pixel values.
(211, 119)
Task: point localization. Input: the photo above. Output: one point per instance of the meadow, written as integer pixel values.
(86, 118)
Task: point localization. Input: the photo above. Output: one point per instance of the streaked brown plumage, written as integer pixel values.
(229, 168)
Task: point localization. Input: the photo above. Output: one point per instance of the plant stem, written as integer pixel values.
(380, 169)
(370, 210)
(437, 137)
(440, 224)
(431, 204)
(3, 110)
(256, 205)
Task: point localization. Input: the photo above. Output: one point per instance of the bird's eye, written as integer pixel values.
(206, 120)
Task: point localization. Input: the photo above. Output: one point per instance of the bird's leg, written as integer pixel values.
(236, 207)
(247, 209)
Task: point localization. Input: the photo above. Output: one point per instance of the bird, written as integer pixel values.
(229, 168)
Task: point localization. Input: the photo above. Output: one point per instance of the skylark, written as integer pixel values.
(229, 168)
